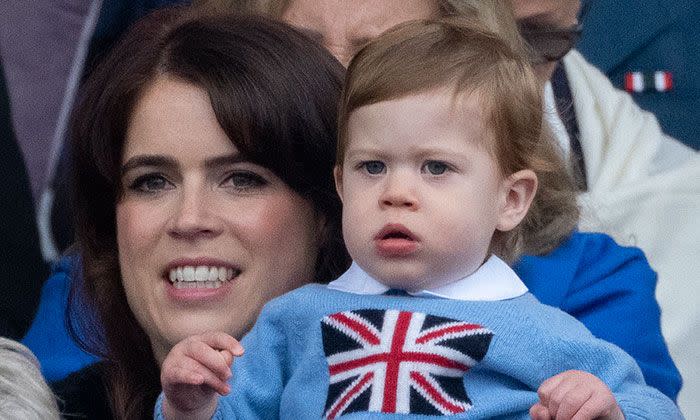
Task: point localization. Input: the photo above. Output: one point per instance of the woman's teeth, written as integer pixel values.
(201, 276)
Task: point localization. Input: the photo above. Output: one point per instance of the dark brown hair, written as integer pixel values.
(273, 91)
(464, 55)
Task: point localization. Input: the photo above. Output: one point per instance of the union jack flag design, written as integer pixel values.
(392, 361)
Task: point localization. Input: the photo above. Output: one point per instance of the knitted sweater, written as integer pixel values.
(317, 352)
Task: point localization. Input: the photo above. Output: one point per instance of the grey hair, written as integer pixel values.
(497, 15)
(24, 393)
(269, 8)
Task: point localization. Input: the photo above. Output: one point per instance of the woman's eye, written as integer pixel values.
(435, 167)
(150, 183)
(373, 167)
(245, 180)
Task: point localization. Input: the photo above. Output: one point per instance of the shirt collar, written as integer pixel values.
(494, 280)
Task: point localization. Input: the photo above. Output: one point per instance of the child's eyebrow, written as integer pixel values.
(378, 153)
(442, 150)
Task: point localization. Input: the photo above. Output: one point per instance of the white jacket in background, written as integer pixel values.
(644, 190)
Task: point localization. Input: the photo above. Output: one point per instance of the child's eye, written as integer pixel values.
(150, 183)
(244, 180)
(373, 167)
(435, 167)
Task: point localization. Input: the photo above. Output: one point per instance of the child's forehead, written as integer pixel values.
(442, 106)
(450, 99)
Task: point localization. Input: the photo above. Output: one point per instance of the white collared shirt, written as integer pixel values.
(494, 280)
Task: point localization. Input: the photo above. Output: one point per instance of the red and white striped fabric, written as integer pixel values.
(659, 81)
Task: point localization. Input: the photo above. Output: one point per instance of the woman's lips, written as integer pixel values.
(192, 279)
(395, 240)
(198, 295)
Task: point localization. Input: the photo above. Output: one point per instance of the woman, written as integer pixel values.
(203, 152)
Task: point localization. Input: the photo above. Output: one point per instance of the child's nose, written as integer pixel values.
(399, 192)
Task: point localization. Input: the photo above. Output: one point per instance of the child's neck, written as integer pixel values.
(431, 284)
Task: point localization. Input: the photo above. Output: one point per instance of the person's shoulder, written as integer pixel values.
(586, 249)
(549, 323)
(593, 245)
(600, 256)
(582, 260)
(304, 292)
(298, 299)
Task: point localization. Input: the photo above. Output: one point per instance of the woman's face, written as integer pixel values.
(205, 238)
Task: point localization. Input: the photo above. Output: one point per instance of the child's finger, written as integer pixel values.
(208, 377)
(222, 341)
(539, 412)
(571, 402)
(600, 405)
(545, 390)
(228, 357)
(207, 356)
(178, 375)
(565, 394)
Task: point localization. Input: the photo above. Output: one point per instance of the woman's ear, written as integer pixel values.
(518, 192)
(338, 176)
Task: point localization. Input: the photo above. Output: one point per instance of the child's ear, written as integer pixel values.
(518, 192)
(338, 176)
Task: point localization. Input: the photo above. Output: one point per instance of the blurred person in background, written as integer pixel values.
(24, 393)
(22, 268)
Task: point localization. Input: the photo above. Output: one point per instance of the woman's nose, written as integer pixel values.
(195, 216)
(399, 192)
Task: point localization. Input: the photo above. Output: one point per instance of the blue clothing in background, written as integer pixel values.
(622, 36)
(48, 336)
(589, 276)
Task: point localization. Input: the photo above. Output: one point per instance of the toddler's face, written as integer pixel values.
(421, 195)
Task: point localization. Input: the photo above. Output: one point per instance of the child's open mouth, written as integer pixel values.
(395, 240)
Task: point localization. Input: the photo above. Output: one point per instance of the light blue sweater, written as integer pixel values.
(507, 348)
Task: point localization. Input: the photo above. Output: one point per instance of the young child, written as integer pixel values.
(440, 154)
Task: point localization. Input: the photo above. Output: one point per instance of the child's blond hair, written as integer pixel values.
(460, 53)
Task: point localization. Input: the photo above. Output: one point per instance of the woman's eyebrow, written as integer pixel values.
(224, 160)
(148, 160)
(169, 163)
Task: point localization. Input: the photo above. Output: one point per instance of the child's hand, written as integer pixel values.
(575, 395)
(194, 372)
